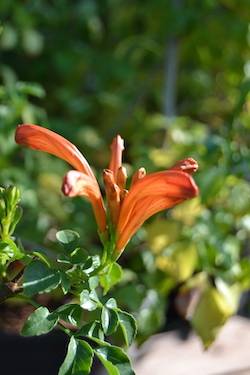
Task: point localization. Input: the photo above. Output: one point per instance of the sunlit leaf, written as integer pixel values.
(179, 260)
(40, 322)
(71, 313)
(91, 330)
(109, 319)
(78, 360)
(114, 359)
(128, 325)
(210, 315)
(111, 277)
(87, 301)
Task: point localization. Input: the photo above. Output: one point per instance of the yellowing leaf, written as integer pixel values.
(188, 211)
(180, 261)
(161, 233)
(210, 315)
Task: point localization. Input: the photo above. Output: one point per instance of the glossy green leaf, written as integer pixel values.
(63, 258)
(68, 239)
(39, 278)
(87, 301)
(111, 277)
(114, 359)
(111, 303)
(43, 256)
(65, 282)
(40, 322)
(91, 330)
(78, 360)
(109, 319)
(71, 313)
(128, 325)
(78, 256)
(93, 282)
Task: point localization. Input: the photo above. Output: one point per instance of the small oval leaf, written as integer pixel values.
(40, 322)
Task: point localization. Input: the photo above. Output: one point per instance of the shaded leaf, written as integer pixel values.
(78, 256)
(68, 239)
(71, 313)
(39, 278)
(65, 282)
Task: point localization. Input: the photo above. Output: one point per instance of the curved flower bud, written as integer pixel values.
(188, 165)
(137, 175)
(113, 195)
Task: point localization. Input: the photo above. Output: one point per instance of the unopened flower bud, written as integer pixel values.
(138, 174)
(188, 165)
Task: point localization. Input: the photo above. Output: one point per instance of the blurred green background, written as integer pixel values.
(172, 78)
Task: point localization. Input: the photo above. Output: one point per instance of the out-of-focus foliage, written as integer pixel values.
(91, 69)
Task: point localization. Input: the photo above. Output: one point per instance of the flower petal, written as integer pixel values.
(117, 148)
(42, 139)
(169, 184)
(144, 209)
(79, 184)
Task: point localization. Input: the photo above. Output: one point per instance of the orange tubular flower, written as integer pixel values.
(42, 139)
(127, 209)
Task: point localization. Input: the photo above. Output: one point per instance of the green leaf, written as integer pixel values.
(78, 360)
(114, 359)
(68, 239)
(43, 256)
(30, 88)
(40, 322)
(91, 330)
(111, 278)
(71, 313)
(93, 282)
(87, 301)
(78, 256)
(109, 319)
(128, 325)
(111, 303)
(63, 258)
(39, 278)
(65, 282)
